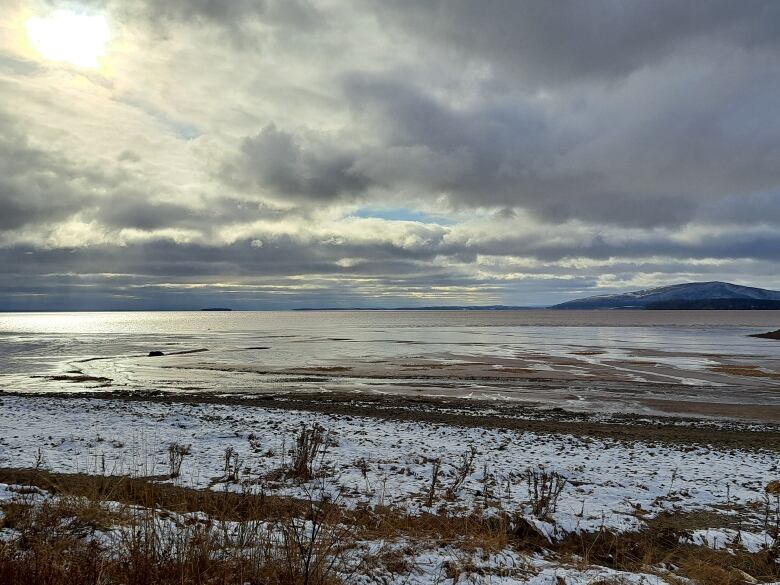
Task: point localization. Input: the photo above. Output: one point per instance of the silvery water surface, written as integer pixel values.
(248, 351)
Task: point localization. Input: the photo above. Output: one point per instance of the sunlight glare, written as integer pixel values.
(66, 36)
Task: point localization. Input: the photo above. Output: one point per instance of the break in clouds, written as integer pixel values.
(270, 154)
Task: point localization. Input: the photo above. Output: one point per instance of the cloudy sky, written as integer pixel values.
(289, 153)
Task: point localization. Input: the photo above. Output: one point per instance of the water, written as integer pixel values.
(560, 355)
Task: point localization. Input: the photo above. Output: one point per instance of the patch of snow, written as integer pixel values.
(727, 538)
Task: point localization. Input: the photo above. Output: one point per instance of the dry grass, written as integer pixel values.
(302, 541)
(78, 538)
(659, 544)
(144, 492)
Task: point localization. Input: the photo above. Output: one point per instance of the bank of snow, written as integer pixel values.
(610, 483)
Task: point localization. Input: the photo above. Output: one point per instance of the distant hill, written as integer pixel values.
(692, 295)
(717, 305)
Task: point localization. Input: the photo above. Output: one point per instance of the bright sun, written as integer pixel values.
(78, 39)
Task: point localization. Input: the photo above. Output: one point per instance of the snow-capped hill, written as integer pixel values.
(688, 295)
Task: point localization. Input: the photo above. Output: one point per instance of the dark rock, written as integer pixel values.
(770, 335)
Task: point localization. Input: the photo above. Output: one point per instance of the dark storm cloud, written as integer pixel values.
(664, 150)
(570, 41)
(550, 42)
(133, 210)
(660, 107)
(35, 186)
(288, 166)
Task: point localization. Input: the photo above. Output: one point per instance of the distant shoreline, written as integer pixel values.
(432, 308)
(478, 309)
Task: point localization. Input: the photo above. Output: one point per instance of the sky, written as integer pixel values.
(271, 154)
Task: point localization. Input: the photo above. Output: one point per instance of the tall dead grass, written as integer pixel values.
(102, 530)
(114, 531)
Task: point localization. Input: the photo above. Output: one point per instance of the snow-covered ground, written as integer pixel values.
(434, 566)
(610, 483)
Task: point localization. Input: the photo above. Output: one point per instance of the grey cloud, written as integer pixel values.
(134, 210)
(662, 150)
(39, 186)
(650, 154)
(129, 156)
(45, 187)
(236, 18)
(290, 166)
(292, 256)
(279, 12)
(561, 42)
(157, 274)
(551, 243)
(547, 42)
(35, 186)
(586, 117)
(660, 147)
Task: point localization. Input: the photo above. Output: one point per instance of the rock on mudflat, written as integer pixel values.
(770, 335)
